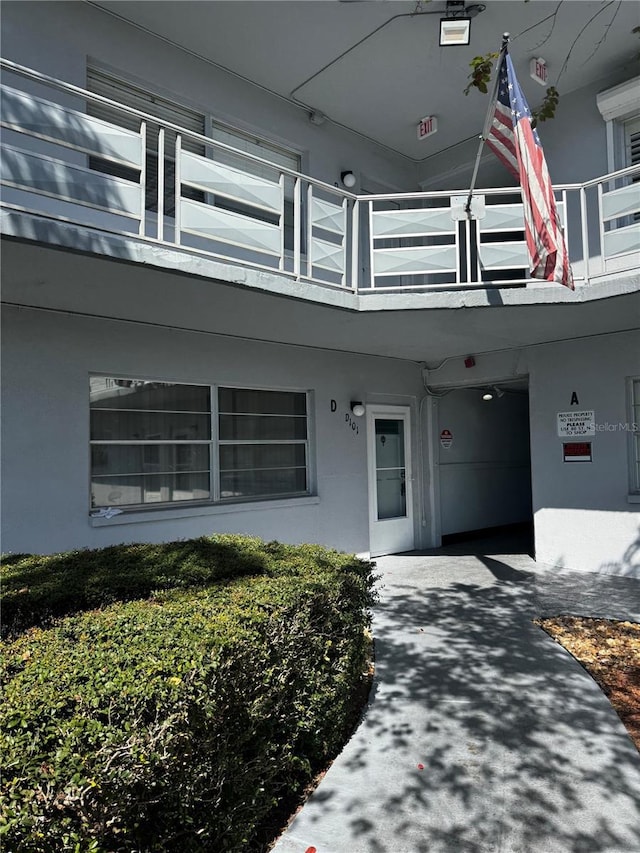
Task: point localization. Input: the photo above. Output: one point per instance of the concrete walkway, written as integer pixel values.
(482, 735)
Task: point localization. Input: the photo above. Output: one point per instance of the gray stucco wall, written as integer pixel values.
(583, 517)
(574, 143)
(60, 38)
(47, 360)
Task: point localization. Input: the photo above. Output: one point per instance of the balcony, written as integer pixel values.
(166, 187)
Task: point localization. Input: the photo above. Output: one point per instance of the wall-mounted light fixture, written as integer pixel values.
(348, 179)
(357, 408)
(455, 29)
(492, 392)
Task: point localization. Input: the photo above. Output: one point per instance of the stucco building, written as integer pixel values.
(197, 294)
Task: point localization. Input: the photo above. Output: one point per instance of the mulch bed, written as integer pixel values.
(610, 652)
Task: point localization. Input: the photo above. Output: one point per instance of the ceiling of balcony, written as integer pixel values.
(376, 67)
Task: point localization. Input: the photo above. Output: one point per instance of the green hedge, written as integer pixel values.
(176, 721)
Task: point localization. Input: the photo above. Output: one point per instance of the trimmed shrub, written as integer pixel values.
(176, 721)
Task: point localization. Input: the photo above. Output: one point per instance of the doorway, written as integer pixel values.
(484, 461)
(391, 525)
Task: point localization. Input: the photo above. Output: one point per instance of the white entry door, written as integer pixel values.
(390, 480)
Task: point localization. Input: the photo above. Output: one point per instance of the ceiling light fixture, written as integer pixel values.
(487, 396)
(348, 179)
(455, 29)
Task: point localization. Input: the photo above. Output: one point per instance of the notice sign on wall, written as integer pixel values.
(576, 451)
(446, 438)
(576, 423)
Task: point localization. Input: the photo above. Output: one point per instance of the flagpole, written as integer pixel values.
(487, 121)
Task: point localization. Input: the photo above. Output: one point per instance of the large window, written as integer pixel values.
(263, 443)
(153, 443)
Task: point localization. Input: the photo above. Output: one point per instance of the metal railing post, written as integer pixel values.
(309, 263)
(143, 179)
(178, 192)
(355, 244)
(282, 248)
(297, 226)
(160, 231)
(585, 232)
(372, 276)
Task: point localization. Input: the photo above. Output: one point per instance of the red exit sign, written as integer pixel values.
(427, 126)
(539, 71)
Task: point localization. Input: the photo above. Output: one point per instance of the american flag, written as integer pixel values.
(517, 145)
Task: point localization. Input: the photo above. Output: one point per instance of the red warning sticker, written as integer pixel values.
(446, 438)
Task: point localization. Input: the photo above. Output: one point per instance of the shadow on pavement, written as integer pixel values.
(482, 735)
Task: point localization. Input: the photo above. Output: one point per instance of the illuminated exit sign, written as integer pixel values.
(538, 70)
(427, 127)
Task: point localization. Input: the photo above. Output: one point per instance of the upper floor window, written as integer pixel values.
(620, 108)
(267, 151)
(123, 92)
(154, 443)
(632, 141)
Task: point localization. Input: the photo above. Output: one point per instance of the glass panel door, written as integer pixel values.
(391, 491)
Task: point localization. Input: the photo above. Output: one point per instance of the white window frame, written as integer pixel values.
(306, 442)
(214, 443)
(617, 107)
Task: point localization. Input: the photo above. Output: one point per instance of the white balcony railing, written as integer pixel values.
(61, 162)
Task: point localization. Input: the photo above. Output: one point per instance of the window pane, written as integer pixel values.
(258, 428)
(389, 443)
(237, 400)
(116, 425)
(252, 456)
(391, 494)
(133, 489)
(112, 393)
(261, 483)
(148, 458)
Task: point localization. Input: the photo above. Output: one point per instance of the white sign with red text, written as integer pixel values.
(427, 126)
(538, 70)
(446, 438)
